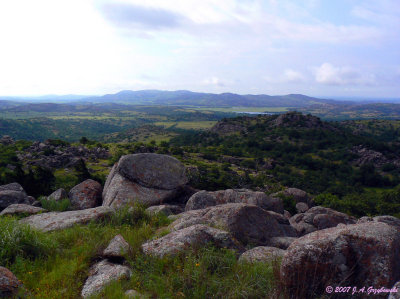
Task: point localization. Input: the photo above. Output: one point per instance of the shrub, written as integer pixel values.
(54, 205)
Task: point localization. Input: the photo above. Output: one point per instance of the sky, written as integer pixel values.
(324, 48)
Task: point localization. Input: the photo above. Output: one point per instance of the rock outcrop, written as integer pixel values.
(150, 179)
(263, 254)
(13, 194)
(364, 254)
(21, 209)
(247, 223)
(9, 284)
(61, 220)
(6, 140)
(204, 199)
(318, 218)
(85, 195)
(194, 236)
(56, 154)
(102, 274)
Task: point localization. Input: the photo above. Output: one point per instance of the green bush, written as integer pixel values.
(18, 240)
(54, 205)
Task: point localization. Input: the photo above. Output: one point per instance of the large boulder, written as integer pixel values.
(262, 254)
(58, 195)
(85, 195)
(357, 255)
(21, 209)
(148, 178)
(13, 194)
(61, 220)
(204, 199)
(247, 223)
(102, 274)
(194, 236)
(318, 218)
(9, 284)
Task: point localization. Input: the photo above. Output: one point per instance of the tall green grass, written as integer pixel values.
(56, 264)
(55, 205)
(18, 240)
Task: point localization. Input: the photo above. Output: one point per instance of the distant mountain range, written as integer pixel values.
(179, 97)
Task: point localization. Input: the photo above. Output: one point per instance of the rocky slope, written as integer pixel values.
(320, 246)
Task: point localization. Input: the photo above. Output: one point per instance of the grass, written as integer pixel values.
(246, 109)
(21, 241)
(187, 125)
(54, 205)
(56, 264)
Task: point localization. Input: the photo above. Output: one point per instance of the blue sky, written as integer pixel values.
(323, 48)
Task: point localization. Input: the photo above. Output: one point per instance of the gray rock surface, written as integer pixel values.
(166, 209)
(281, 242)
(302, 207)
(16, 209)
(364, 254)
(118, 247)
(61, 220)
(391, 220)
(12, 194)
(102, 274)
(58, 195)
(13, 187)
(193, 236)
(318, 218)
(247, 223)
(287, 214)
(9, 284)
(148, 178)
(262, 254)
(204, 199)
(153, 170)
(85, 195)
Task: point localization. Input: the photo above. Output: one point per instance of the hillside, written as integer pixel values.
(237, 195)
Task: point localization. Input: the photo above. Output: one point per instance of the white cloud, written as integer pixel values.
(293, 76)
(215, 81)
(332, 75)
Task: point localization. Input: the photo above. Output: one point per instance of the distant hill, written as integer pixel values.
(184, 97)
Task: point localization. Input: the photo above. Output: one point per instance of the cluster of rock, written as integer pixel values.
(318, 246)
(6, 140)
(50, 155)
(368, 156)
